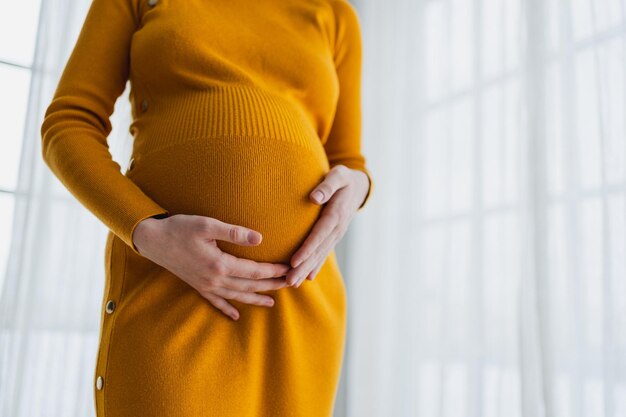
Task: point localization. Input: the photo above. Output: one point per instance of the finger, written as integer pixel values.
(247, 268)
(253, 285)
(313, 273)
(296, 277)
(245, 297)
(315, 260)
(322, 228)
(233, 233)
(325, 250)
(334, 180)
(319, 258)
(223, 305)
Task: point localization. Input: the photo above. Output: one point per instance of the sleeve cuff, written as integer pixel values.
(127, 236)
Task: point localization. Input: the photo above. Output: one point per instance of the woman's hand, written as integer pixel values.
(186, 246)
(343, 189)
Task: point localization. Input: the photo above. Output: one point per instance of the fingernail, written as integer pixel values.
(318, 196)
(235, 316)
(251, 237)
(297, 263)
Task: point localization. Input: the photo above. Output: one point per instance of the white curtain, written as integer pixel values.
(54, 282)
(487, 277)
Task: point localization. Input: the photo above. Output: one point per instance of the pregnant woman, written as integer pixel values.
(242, 110)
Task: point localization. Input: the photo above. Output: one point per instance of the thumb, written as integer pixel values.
(233, 233)
(325, 189)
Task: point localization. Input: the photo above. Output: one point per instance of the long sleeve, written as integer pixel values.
(343, 145)
(77, 122)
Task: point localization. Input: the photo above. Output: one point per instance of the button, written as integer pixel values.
(99, 382)
(152, 2)
(110, 306)
(131, 165)
(144, 105)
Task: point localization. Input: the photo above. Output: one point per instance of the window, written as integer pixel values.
(18, 30)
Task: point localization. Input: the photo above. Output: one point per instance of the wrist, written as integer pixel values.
(145, 231)
(364, 182)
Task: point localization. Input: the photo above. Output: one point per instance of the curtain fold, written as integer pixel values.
(52, 293)
(487, 276)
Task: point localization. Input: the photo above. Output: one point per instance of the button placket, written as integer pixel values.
(109, 308)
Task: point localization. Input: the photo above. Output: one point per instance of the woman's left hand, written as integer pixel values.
(343, 190)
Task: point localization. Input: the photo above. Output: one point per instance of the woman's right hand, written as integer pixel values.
(186, 246)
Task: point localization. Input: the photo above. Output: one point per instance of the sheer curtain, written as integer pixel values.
(488, 275)
(51, 298)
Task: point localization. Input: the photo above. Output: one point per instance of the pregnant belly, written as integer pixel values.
(260, 183)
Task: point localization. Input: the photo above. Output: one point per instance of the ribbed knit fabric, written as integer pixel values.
(239, 109)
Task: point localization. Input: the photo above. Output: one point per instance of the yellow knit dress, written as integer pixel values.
(239, 109)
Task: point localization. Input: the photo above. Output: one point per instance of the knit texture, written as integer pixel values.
(239, 109)
(280, 69)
